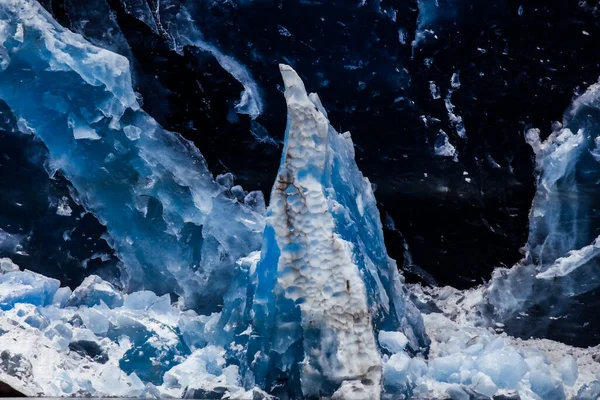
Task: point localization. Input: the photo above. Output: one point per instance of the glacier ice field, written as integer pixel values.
(212, 291)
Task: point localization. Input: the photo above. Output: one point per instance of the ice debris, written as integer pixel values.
(133, 348)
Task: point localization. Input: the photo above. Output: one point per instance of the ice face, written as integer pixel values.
(562, 265)
(174, 228)
(324, 285)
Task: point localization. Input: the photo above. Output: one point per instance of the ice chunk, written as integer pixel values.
(63, 208)
(545, 386)
(396, 372)
(484, 384)
(7, 265)
(443, 147)
(94, 291)
(563, 247)
(589, 391)
(351, 390)
(141, 300)
(203, 372)
(505, 366)
(26, 287)
(455, 120)
(568, 369)
(173, 227)
(394, 342)
(443, 368)
(61, 296)
(95, 320)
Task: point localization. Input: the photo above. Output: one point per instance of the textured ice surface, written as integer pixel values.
(563, 248)
(324, 285)
(128, 350)
(175, 229)
(470, 361)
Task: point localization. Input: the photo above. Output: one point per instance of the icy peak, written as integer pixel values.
(324, 285)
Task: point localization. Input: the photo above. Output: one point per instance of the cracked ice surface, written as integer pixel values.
(150, 187)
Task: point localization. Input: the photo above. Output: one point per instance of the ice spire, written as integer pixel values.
(324, 283)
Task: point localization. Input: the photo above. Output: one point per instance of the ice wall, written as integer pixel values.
(562, 253)
(323, 286)
(175, 229)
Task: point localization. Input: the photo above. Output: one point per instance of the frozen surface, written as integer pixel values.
(149, 187)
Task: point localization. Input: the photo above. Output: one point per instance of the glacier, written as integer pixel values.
(221, 297)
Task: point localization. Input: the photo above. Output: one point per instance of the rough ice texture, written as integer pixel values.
(563, 249)
(175, 229)
(324, 285)
(471, 361)
(26, 287)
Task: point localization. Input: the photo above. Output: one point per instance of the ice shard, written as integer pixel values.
(176, 25)
(324, 285)
(562, 263)
(175, 229)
